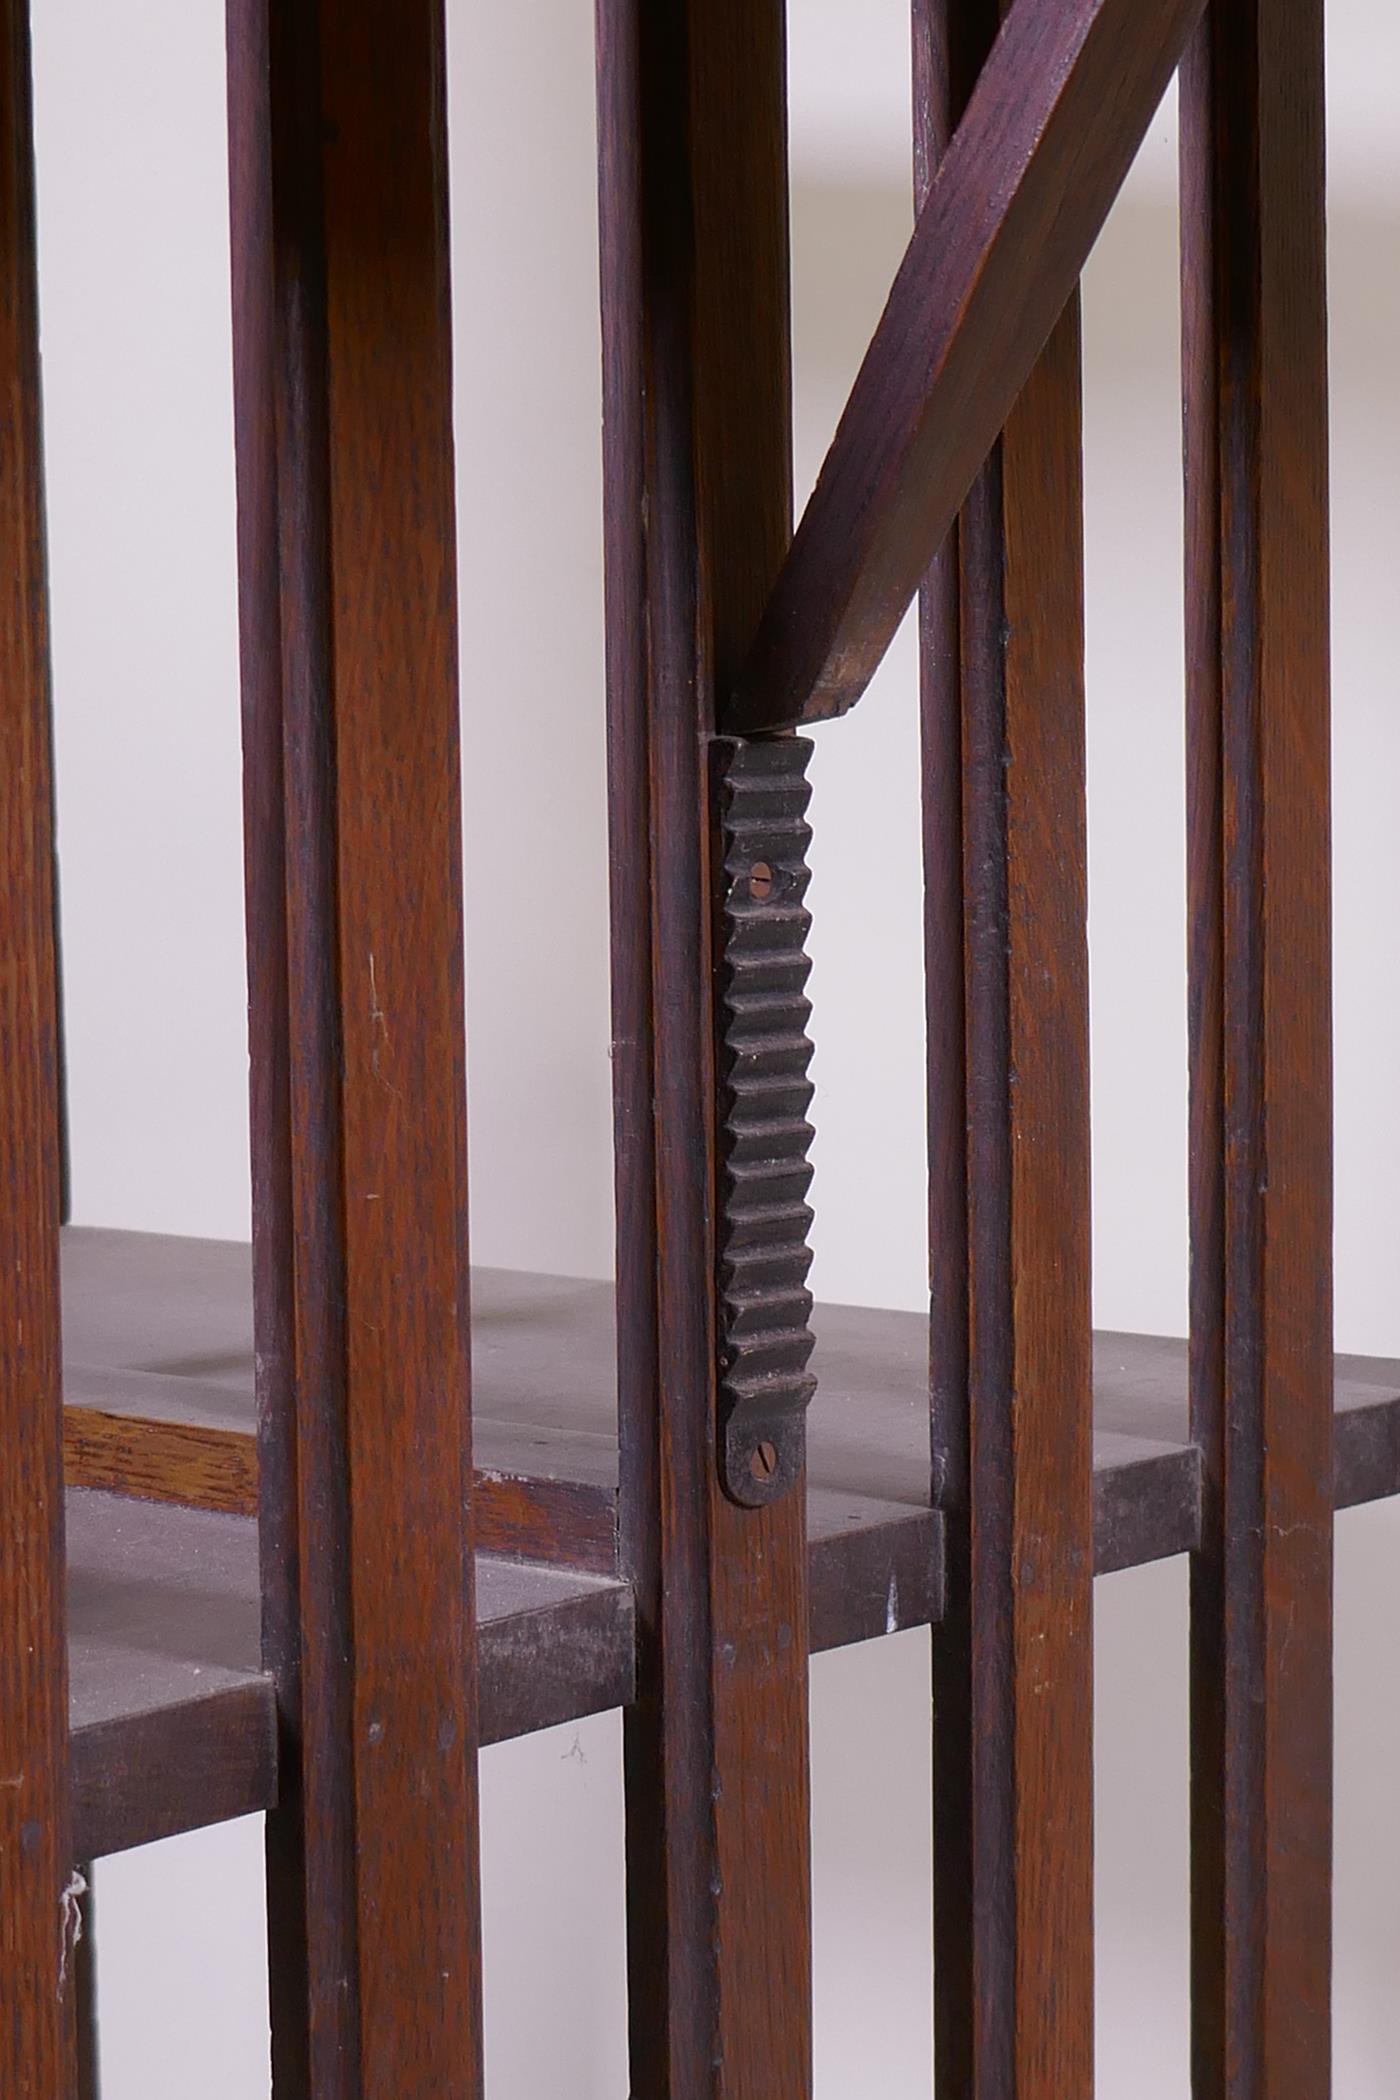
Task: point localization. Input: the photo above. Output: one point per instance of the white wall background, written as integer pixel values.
(133, 234)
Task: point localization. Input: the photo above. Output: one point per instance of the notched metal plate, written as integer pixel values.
(762, 1059)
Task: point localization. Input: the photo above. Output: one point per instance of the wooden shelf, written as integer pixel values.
(158, 1374)
(159, 1379)
(173, 1725)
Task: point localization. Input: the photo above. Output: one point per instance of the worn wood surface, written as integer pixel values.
(1002, 645)
(269, 323)
(343, 385)
(1010, 217)
(545, 1373)
(158, 1374)
(173, 1720)
(1255, 362)
(698, 475)
(37, 2032)
(1040, 1286)
(628, 470)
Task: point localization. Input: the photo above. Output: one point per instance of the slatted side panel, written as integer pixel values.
(347, 572)
(1001, 638)
(37, 1906)
(1254, 310)
(698, 477)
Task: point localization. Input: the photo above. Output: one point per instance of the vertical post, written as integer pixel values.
(694, 218)
(621, 248)
(1255, 367)
(349, 650)
(1001, 641)
(37, 1899)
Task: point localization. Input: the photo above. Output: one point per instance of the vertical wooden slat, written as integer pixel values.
(621, 249)
(1001, 639)
(255, 358)
(343, 381)
(695, 293)
(1254, 330)
(37, 1905)
(938, 100)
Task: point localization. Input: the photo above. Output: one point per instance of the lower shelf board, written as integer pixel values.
(174, 1726)
(159, 1380)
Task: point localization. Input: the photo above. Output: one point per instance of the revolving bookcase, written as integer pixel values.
(334, 1509)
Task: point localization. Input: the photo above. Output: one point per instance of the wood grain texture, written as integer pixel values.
(343, 383)
(545, 1373)
(158, 1376)
(174, 1723)
(698, 470)
(1255, 362)
(949, 45)
(264, 317)
(37, 2032)
(1011, 214)
(652, 1923)
(573, 1522)
(161, 1461)
(1011, 1372)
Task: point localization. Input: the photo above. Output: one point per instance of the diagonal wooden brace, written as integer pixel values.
(1060, 108)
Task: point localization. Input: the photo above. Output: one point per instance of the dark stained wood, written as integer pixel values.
(161, 1770)
(1001, 633)
(949, 45)
(343, 385)
(174, 1723)
(337, 1662)
(543, 1350)
(698, 517)
(161, 1461)
(1255, 363)
(622, 248)
(1010, 217)
(872, 1568)
(158, 1380)
(37, 2032)
(553, 1647)
(1030, 1551)
(573, 1523)
(1366, 1431)
(267, 333)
